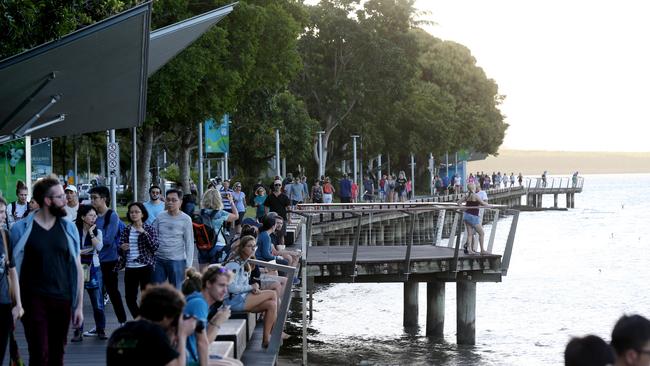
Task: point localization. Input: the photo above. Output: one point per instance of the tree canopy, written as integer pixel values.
(343, 66)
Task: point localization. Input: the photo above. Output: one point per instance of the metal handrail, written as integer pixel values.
(276, 333)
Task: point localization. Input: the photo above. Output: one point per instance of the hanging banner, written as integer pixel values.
(217, 136)
(12, 167)
(41, 160)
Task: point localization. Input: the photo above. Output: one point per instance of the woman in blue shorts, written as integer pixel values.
(246, 297)
(472, 220)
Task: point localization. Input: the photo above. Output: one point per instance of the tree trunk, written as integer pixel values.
(184, 161)
(144, 163)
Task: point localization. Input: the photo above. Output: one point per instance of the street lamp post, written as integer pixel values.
(354, 156)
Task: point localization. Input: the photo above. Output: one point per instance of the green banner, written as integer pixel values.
(217, 136)
(12, 167)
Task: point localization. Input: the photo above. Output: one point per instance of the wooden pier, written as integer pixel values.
(414, 246)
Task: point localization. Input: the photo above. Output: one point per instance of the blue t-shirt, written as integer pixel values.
(264, 247)
(259, 202)
(346, 188)
(240, 201)
(197, 307)
(153, 211)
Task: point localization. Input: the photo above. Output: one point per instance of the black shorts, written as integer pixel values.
(240, 218)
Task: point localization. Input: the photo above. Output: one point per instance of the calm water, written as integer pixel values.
(572, 273)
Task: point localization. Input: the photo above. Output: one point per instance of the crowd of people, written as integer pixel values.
(55, 249)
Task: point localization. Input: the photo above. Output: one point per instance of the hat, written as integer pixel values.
(251, 221)
(277, 182)
(70, 187)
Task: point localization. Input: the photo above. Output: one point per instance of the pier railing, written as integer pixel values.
(406, 224)
(554, 185)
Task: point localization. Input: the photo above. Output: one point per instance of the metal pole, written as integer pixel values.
(412, 176)
(447, 164)
(277, 152)
(28, 164)
(432, 172)
(354, 158)
(226, 174)
(209, 169)
(378, 168)
(76, 177)
(134, 162)
(88, 161)
(200, 160)
(111, 137)
(321, 166)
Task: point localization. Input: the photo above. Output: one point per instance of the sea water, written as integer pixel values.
(572, 273)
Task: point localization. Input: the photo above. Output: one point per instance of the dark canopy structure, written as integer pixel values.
(94, 79)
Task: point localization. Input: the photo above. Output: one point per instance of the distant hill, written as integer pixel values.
(563, 162)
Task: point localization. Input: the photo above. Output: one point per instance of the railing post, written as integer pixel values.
(505, 260)
(452, 234)
(439, 227)
(407, 259)
(303, 291)
(357, 239)
(493, 232)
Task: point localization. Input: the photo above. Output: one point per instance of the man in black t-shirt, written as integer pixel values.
(144, 341)
(46, 253)
(278, 202)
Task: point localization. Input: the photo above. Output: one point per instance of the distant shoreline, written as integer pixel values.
(534, 162)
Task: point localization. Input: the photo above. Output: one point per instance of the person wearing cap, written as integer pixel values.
(72, 202)
(278, 202)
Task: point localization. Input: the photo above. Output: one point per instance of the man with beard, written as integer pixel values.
(155, 205)
(46, 254)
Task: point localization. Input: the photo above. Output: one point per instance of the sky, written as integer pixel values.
(576, 74)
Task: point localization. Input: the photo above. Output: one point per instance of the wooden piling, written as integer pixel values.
(466, 312)
(410, 304)
(435, 309)
(555, 200)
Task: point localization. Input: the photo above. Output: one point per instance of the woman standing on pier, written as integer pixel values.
(472, 220)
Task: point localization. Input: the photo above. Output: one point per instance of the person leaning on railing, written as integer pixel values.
(472, 220)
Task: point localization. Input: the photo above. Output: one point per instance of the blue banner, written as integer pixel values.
(217, 136)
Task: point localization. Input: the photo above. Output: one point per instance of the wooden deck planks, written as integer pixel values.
(382, 254)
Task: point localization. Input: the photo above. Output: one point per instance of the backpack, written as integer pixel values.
(205, 235)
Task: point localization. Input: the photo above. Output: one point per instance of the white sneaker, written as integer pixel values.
(91, 333)
(106, 299)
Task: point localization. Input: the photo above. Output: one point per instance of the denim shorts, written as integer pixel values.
(236, 301)
(472, 220)
(209, 256)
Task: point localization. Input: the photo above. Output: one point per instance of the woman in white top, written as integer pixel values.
(139, 242)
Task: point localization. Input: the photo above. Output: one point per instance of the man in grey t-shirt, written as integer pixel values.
(176, 239)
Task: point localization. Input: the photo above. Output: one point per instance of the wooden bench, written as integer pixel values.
(234, 330)
(222, 349)
(251, 321)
